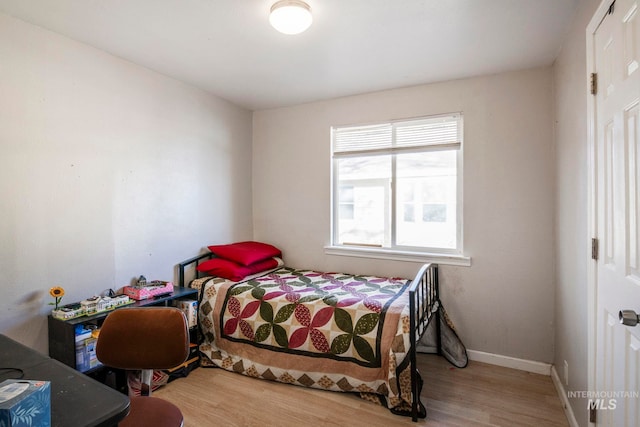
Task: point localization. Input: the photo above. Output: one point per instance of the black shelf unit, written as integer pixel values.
(62, 338)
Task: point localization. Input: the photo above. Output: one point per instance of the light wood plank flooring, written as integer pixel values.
(478, 395)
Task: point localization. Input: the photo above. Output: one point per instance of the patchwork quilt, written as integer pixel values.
(330, 331)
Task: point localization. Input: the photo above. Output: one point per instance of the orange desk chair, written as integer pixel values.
(145, 339)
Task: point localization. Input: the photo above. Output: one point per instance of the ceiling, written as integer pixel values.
(228, 48)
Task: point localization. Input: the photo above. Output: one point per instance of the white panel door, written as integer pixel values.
(617, 54)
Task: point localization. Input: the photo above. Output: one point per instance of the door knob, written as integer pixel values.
(629, 317)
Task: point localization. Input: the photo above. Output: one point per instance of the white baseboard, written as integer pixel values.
(562, 394)
(510, 362)
(499, 360)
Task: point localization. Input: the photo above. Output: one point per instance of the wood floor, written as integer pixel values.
(478, 395)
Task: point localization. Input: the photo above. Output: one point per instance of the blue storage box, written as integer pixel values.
(25, 403)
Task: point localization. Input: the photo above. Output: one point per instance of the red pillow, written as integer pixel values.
(230, 270)
(245, 253)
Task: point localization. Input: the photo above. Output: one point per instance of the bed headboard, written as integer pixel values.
(189, 267)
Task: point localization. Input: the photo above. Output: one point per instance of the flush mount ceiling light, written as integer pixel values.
(290, 16)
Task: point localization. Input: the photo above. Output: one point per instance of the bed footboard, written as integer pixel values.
(423, 306)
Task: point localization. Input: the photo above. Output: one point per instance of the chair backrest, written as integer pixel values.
(144, 338)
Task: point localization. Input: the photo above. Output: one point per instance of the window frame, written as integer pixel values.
(453, 256)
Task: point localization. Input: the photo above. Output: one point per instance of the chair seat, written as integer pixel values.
(153, 412)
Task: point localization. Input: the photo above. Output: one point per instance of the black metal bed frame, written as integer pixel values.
(424, 303)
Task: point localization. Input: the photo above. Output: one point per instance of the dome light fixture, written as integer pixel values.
(290, 16)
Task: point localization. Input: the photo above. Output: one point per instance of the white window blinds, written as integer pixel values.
(426, 134)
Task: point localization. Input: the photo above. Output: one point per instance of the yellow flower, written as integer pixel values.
(56, 292)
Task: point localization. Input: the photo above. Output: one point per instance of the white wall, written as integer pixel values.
(504, 302)
(572, 244)
(107, 171)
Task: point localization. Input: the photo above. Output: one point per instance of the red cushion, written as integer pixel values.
(220, 267)
(245, 253)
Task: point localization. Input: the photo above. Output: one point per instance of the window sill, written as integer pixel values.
(443, 259)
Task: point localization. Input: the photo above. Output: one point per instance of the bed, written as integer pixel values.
(332, 331)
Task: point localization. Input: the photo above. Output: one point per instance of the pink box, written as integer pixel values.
(148, 291)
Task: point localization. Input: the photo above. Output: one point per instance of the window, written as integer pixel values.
(397, 185)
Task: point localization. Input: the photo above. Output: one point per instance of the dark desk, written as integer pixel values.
(76, 400)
